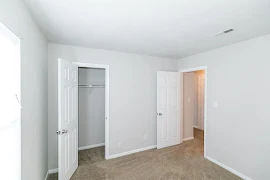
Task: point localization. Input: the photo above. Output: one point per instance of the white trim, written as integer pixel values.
(91, 146)
(205, 98)
(107, 101)
(193, 69)
(51, 171)
(228, 168)
(90, 65)
(189, 138)
(197, 128)
(132, 152)
(47, 174)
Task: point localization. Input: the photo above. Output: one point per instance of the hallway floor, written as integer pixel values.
(181, 162)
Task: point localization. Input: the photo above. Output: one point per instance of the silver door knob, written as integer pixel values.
(58, 132)
(160, 114)
(64, 131)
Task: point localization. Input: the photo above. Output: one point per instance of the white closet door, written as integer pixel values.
(168, 109)
(67, 119)
(201, 85)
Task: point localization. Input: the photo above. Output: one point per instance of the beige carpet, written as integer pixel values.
(181, 162)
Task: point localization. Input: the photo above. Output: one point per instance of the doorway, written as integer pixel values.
(91, 114)
(83, 114)
(194, 106)
(99, 82)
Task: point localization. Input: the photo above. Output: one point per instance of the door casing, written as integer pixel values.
(107, 100)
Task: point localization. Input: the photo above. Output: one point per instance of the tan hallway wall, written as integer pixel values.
(196, 97)
(188, 97)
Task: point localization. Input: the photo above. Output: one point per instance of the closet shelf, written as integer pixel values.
(91, 86)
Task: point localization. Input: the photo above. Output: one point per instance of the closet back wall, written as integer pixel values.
(91, 107)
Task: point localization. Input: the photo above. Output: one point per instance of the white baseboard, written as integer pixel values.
(51, 171)
(46, 177)
(132, 152)
(228, 168)
(197, 127)
(189, 138)
(91, 146)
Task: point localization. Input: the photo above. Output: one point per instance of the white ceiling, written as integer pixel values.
(166, 28)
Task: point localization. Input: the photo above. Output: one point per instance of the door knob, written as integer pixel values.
(64, 131)
(160, 114)
(58, 132)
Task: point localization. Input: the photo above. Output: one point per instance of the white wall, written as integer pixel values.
(133, 103)
(238, 130)
(33, 88)
(91, 107)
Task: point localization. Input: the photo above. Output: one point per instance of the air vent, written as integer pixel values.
(224, 32)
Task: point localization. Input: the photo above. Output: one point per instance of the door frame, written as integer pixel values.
(181, 71)
(107, 100)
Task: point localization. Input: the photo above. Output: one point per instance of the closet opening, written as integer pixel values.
(93, 113)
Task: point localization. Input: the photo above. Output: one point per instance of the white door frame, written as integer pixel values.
(181, 71)
(107, 101)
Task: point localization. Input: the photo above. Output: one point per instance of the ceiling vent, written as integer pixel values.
(224, 32)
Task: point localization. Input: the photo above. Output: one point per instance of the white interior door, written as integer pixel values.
(168, 109)
(67, 119)
(201, 101)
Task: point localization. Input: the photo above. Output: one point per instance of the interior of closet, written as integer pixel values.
(91, 104)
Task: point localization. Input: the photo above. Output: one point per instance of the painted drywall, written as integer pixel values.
(196, 97)
(133, 91)
(33, 88)
(195, 100)
(188, 95)
(170, 28)
(238, 128)
(91, 107)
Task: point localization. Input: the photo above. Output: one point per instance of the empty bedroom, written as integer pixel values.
(134, 89)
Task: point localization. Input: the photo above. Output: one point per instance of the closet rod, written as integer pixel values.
(91, 86)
